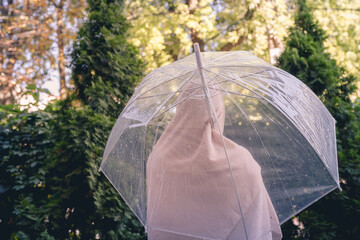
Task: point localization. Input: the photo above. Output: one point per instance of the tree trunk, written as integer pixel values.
(247, 17)
(192, 5)
(60, 42)
(7, 59)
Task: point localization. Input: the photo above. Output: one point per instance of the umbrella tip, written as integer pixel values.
(198, 55)
(196, 45)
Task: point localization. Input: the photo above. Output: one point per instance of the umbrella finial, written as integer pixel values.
(198, 55)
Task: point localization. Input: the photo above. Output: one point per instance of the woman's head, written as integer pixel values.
(193, 109)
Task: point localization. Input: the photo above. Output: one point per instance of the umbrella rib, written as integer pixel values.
(316, 151)
(229, 164)
(244, 76)
(122, 196)
(241, 85)
(205, 88)
(266, 100)
(237, 66)
(157, 197)
(158, 70)
(162, 94)
(174, 105)
(230, 168)
(142, 184)
(261, 97)
(212, 79)
(153, 87)
(307, 205)
(183, 234)
(156, 112)
(199, 85)
(262, 143)
(229, 79)
(220, 57)
(279, 108)
(157, 130)
(239, 94)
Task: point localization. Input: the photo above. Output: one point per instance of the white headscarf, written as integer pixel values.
(190, 190)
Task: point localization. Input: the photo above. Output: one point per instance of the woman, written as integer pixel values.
(191, 191)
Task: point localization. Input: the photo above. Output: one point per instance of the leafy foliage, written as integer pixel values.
(105, 67)
(340, 19)
(24, 141)
(50, 187)
(105, 71)
(305, 56)
(89, 203)
(50, 183)
(165, 30)
(34, 36)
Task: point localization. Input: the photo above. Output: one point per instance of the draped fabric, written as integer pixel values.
(197, 188)
(197, 165)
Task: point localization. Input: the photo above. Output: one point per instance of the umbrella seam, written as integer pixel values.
(228, 161)
(166, 100)
(263, 146)
(124, 199)
(160, 84)
(315, 149)
(280, 109)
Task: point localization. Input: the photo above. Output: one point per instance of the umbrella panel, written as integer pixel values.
(190, 188)
(300, 175)
(125, 169)
(293, 99)
(274, 129)
(293, 173)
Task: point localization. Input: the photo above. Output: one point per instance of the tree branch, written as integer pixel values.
(248, 16)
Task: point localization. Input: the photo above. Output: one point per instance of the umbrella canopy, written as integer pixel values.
(221, 145)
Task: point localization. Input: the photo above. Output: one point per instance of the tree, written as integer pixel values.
(61, 148)
(50, 187)
(87, 206)
(306, 58)
(15, 34)
(105, 66)
(24, 187)
(34, 37)
(165, 30)
(340, 21)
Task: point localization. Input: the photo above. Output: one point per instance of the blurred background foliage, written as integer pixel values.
(97, 51)
(306, 57)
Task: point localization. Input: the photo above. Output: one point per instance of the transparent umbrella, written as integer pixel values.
(221, 145)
